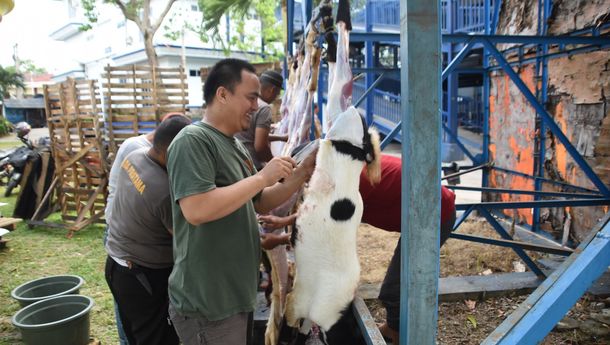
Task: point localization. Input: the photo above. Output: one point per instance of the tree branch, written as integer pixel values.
(131, 15)
(168, 6)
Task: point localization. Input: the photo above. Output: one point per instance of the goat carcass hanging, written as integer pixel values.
(324, 239)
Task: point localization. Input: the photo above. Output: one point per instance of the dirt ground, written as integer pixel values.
(470, 322)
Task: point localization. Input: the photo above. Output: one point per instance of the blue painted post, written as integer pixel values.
(486, 86)
(307, 8)
(421, 120)
(452, 103)
(290, 25)
(370, 61)
(544, 12)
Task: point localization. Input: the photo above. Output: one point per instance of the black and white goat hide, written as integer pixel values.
(324, 239)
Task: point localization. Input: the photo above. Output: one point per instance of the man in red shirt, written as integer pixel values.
(382, 207)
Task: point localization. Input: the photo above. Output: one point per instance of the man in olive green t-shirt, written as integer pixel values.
(216, 191)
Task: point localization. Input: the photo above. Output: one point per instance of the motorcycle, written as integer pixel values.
(13, 162)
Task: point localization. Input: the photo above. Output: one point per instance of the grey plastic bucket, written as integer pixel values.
(61, 320)
(47, 287)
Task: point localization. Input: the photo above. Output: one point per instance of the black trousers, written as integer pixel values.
(389, 294)
(141, 295)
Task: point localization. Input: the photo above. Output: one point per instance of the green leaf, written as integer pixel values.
(472, 320)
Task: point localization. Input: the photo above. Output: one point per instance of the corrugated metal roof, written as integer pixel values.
(24, 103)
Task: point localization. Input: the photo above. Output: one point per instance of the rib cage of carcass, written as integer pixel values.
(324, 239)
(296, 122)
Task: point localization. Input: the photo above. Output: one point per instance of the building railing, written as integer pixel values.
(466, 16)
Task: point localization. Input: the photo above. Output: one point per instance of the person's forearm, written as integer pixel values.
(264, 154)
(275, 195)
(290, 220)
(220, 202)
(277, 137)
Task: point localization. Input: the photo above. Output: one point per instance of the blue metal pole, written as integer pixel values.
(548, 119)
(307, 8)
(421, 119)
(367, 93)
(370, 61)
(452, 111)
(505, 235)
(486, 85)
(455, 139)
(455, 61)
(541, 64)
(526, 192)
(388, 139)
(537, 316)
(504, 205)
(290, 24)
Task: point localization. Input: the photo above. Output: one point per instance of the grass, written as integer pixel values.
(38, 252)
(8, 144)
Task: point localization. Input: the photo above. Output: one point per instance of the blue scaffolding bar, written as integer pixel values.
(547, 118)
(526, 192)
(538, 203)
(505, 235)
(563, 251)
(539, 313)
(421, 118)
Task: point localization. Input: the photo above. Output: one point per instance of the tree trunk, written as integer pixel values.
(149, 47)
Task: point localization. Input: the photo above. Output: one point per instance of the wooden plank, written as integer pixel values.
(90, 201)
(9, 223)
(452, 289)
(75, 158)
(133, 85)
(366, 323)
(127, 68)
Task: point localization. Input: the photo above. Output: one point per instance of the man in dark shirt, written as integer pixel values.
(140, 242)
(257, 137)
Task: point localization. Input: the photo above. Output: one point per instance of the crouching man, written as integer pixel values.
(139, 245)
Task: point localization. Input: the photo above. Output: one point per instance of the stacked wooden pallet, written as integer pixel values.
(74, 118)
(137, 97)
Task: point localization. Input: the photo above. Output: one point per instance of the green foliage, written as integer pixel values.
(5, 127)
(271, 33)
(90, 13)
(28, 66)
(9, 78)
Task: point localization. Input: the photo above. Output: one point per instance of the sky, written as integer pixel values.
(29, 25)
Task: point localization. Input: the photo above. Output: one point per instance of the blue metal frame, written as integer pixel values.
(599, 41)
(454, 40)
(537, 316)
(547, 118)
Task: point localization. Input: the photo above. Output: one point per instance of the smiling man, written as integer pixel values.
(216, 192)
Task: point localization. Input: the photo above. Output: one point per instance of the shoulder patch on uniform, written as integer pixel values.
(342, 210)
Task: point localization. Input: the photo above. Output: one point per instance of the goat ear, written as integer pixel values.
(373, 168)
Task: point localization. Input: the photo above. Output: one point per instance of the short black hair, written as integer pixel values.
(167, 130)
(225, 73)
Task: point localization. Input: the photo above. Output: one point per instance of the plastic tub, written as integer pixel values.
(47, 287)
(61, 320)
